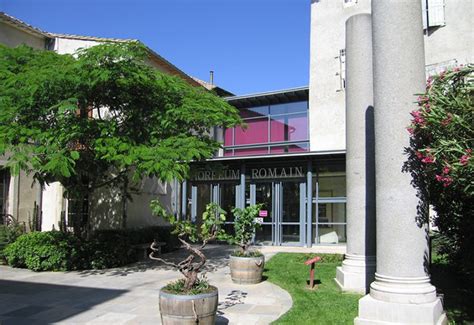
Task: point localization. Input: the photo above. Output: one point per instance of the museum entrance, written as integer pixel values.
(283, 213)
(303, 202)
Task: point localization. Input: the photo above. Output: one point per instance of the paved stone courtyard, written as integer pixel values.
(129, 295)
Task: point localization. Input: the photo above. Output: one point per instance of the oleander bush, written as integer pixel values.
(441, 164)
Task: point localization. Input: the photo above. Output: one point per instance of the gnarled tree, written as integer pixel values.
(213, 219)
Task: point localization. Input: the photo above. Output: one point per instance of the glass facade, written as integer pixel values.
(304, 200)
(329, 214)
(270, 129)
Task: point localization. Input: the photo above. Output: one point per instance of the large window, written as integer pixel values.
(329, 216)
(271, 129)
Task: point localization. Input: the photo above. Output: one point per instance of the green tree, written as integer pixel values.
(245, 225)
(441, 163)
(102, 116)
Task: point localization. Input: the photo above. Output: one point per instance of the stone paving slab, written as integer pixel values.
(129, 295)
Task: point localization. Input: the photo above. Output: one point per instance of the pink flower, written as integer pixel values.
(468, 151)
(428, 160)
(456, 69)
(419, 155)
(411, 131)
(446, 170)
(464, 160)
(418, 118)
(447, 181)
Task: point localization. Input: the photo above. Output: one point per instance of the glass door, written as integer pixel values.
(263, 193)
(283, 212)
(292, 214)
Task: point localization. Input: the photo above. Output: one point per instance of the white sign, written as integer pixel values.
(259, 220)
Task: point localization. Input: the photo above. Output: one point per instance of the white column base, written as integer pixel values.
(356, 273)
(397, 300)
(373, 311)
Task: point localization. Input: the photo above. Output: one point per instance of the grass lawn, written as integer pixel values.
(325, 305)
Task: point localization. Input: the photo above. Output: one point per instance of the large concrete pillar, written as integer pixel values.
(401, 292)
(358, 267)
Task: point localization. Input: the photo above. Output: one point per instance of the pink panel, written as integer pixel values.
(277, 130)
(251, 151)
(277, 150)
(228, 137)
(256, 132)
(298, 127)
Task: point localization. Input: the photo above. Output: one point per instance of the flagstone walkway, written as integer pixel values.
(128, 295)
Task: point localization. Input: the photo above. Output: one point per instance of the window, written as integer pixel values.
(271, 129)
(4, 180)
(433, 13)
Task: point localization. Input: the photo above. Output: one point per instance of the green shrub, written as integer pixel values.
(244, 228)
(62, 251)
(109, 249)
(46, 251)
(8, 234)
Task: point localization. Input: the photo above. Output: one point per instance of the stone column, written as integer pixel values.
(358, 267)
(402, 292)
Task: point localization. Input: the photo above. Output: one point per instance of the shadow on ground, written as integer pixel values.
(39, 303)
(217, 257)
(457, 290)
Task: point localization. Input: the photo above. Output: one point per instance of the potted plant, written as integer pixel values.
(190, 300)
(246, 266)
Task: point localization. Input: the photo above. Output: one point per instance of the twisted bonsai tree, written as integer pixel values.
(188, 233)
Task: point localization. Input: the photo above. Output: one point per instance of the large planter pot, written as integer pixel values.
(246, 270)
(188, 309)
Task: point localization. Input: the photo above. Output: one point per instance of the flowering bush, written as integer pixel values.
(441, 159)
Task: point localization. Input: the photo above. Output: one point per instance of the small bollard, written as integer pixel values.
(311, 262)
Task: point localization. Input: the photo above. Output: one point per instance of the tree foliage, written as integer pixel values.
(440, 159)
(94, 118)
(244, 228)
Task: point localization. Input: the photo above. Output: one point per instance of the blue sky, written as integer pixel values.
(252, 45)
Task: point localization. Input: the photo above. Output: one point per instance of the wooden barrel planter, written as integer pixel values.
(247, 270)
(189, 309)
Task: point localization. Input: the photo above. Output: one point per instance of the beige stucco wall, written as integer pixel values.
(13, 37)
(107, 205)
(326, 97)
(454, 41)
(139, 213)
(29, 195)
(52, 205)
